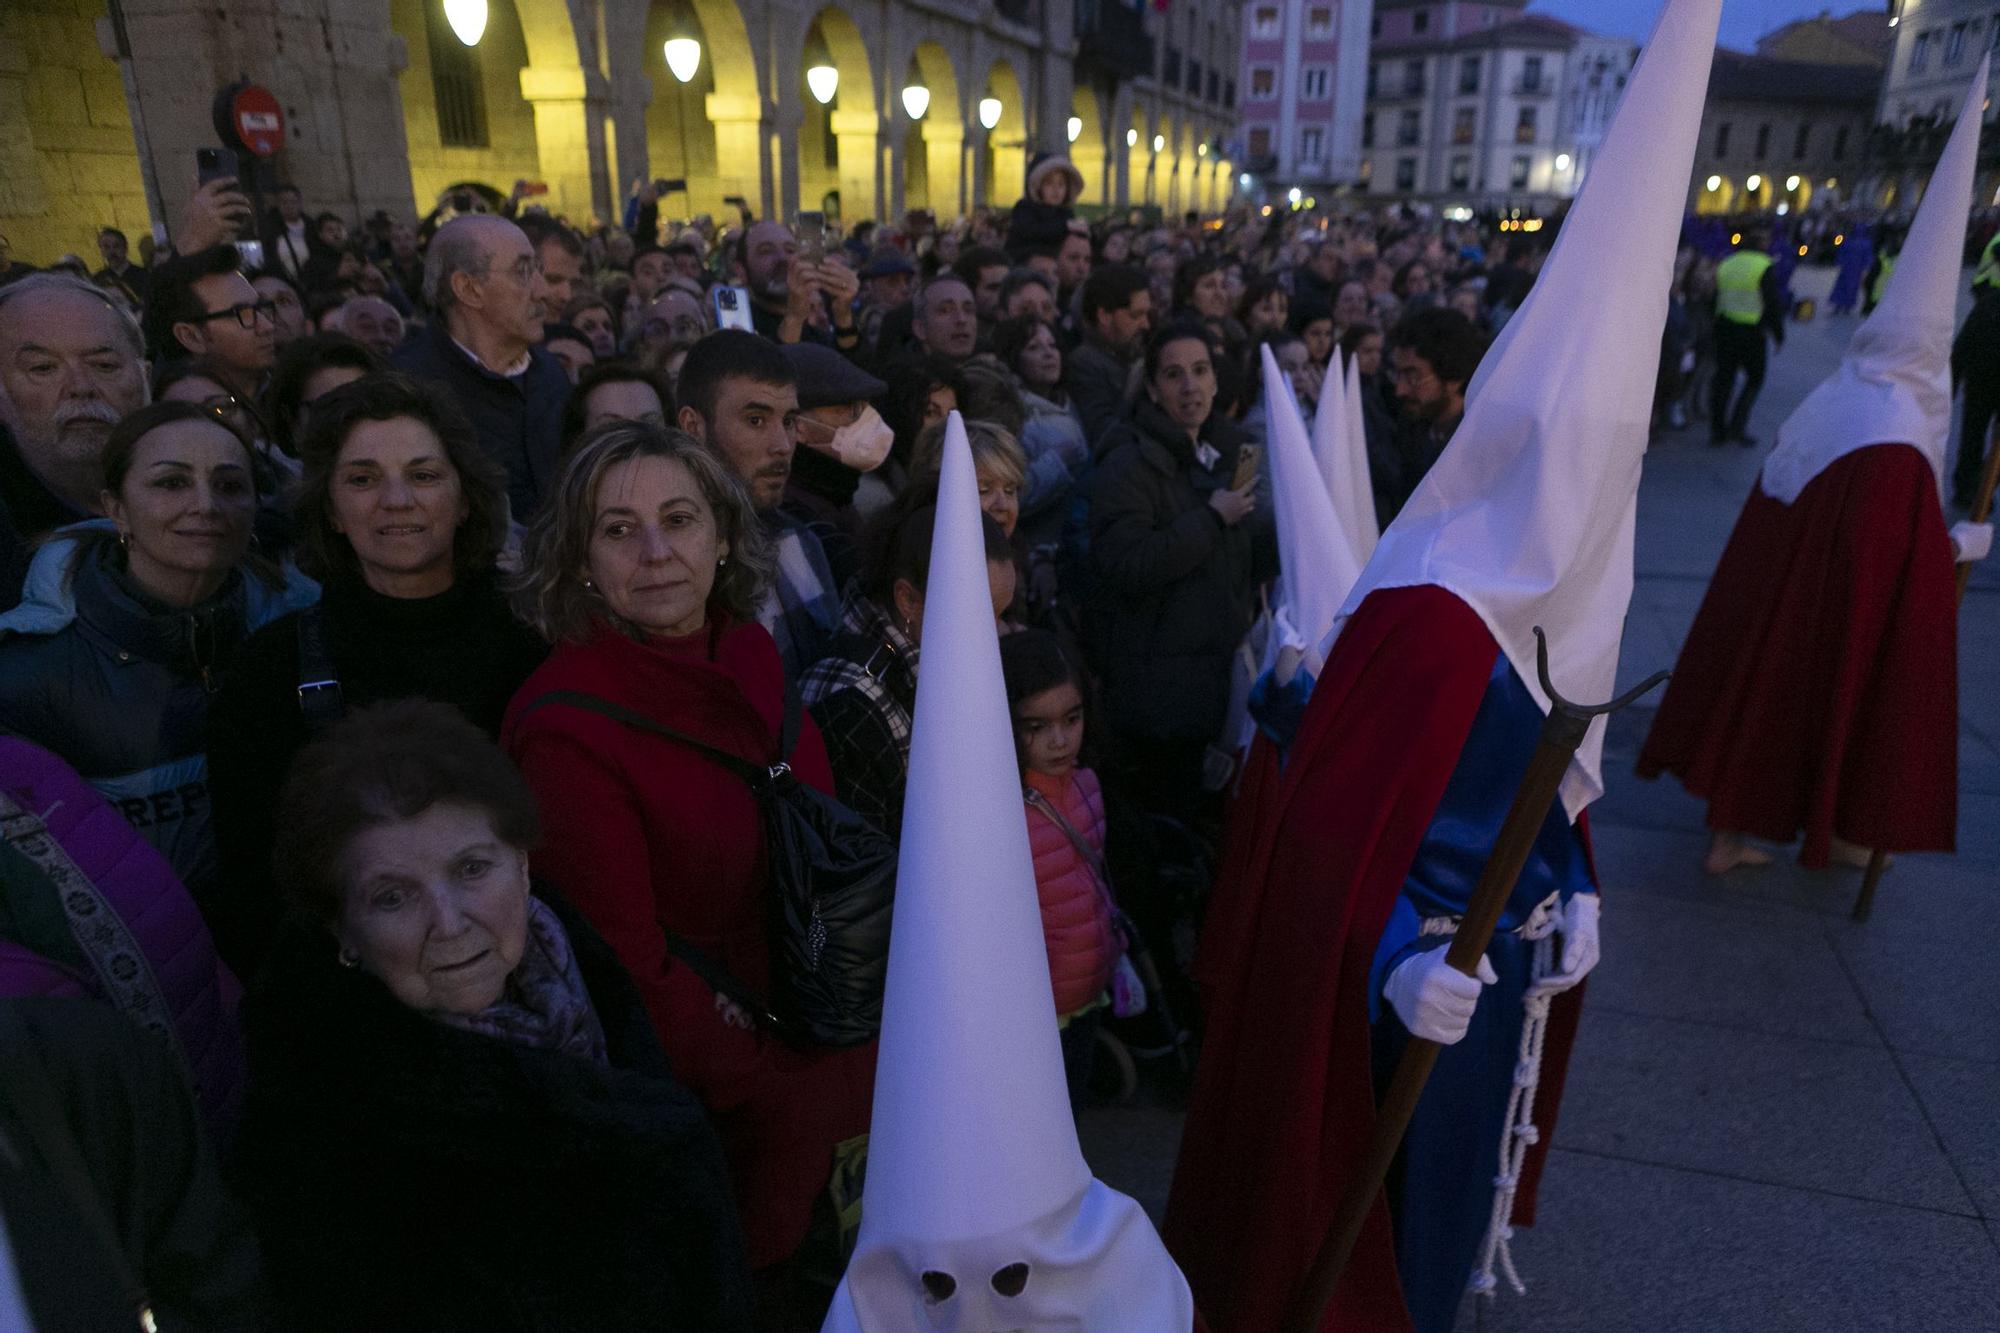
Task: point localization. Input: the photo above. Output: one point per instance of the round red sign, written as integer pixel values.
(260, 124)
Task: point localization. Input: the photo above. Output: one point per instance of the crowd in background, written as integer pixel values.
(373, 603)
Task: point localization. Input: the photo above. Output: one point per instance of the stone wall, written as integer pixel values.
(67, 161)
(511, 153)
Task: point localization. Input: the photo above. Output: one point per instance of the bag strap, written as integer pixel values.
(1091, 857)
(758, 777)
(319, 684)
(35, 1106)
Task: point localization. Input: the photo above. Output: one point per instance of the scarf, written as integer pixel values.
(544, 1004)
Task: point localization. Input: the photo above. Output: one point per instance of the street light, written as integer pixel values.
(1755, 183)
(916, 100)
(1159, 143)
(1294, 195)
(1714, 184)
(824, 81)
(1201, 149)
(1244, 180)
(989, 112)
(1791, 182)
(683, 57)
(467, 19)
(1074, 128)
(1131, 138)
(1562, 161)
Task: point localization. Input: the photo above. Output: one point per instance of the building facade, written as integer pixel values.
(1481, 105)
(1305, 66)
(391, 103)
(1938, 46)
(1782, 135)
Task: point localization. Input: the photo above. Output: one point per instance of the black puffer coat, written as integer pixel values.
(409, 1174)
(1173, 587)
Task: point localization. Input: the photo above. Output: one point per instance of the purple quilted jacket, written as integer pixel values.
(202, 998)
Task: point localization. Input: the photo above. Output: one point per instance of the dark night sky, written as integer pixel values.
(1743, 21)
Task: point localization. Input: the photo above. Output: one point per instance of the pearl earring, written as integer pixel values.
(348, 958)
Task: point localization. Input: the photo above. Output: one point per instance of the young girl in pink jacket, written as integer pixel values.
(1065, 812)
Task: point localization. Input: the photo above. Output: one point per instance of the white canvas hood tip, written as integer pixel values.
(979, 1213)
(1528, 516)
(1340, 443)
(1893, 385)
(1316, 557)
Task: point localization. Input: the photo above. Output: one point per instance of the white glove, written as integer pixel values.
(1580, 948)
(1434, 1000)
(1972, 541)
(1291, 647)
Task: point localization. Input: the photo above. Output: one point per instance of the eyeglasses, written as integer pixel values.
(247, 313)
(1415, 376)
(812, 428)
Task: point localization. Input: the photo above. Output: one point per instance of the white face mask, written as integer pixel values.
(863, 443)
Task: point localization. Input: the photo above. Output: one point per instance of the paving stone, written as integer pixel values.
(1962, 1098)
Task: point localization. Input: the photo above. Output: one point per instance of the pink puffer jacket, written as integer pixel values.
(201, 996)
(1076, 919)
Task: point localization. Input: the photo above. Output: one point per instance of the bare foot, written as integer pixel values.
(1843, 852)
(1728, 851)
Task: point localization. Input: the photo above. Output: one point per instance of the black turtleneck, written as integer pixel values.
(462, 647)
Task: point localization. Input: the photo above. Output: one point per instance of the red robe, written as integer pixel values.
(1818, 689)
(1283, 1101)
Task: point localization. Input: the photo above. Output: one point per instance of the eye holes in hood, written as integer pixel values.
(1012, 1280)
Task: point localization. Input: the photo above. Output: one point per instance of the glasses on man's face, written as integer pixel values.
(811, 429)
(1414, 376)
(246, 313)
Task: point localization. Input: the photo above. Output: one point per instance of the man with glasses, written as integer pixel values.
(1435, 353)
(203, 306)
(484, 284)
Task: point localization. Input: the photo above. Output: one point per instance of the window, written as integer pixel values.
(1374, 80)
(1375, 26)
(456, 85)
(1764, 139)
(1413, 78)
(1524, 125)
(1409, 130)
(1802, 140)
(1312, 144)
(1420, 21)
(1954, 44)
(1368, 129)
(1314, 81)
(1468, 74)
(1722, 139)
(1464, 123)
(1264, 22)
(1319, 21)
(1170, 68)
(1531, 75)
(1194, 77)
(1214, 84)
(1519, 178)
(1260, 141)
(1461, 172)
(1229, 94)
(1406, 173)
(1839, 142)
(1263, 83)
(1920, 54)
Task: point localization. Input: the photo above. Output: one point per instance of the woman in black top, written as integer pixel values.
(401, 518)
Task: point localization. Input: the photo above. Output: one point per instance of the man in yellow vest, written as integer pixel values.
(1748, 303)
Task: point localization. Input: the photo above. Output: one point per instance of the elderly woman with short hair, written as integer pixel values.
(458, 1115)
(645, 569)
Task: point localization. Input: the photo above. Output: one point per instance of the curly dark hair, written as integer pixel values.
(298, 362)
(388, 396)
(1445, 339)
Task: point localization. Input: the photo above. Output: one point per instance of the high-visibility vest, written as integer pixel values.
(1988, 272)
(1739, 287)
(1888, 263)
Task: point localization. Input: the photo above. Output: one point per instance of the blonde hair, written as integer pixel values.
(994, 449)
(550, 593)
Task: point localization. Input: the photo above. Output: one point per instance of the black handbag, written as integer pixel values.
(833, 881)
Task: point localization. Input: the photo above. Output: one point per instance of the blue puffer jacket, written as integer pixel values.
(118, 684)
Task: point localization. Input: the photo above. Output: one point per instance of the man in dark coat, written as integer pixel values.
(1117, 311)
(1975, 369)
(483, 282)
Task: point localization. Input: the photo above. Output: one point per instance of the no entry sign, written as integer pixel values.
(257, 120)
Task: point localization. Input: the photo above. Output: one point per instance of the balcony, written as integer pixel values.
(1534, 88)
(1112, 35)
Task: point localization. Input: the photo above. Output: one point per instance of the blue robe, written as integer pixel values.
(1857, 253)
(1441, 1194)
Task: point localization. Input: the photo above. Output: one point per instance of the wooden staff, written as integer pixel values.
(1562, 732)
(1982, 507)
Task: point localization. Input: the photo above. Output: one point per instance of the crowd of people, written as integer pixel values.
(373, 605)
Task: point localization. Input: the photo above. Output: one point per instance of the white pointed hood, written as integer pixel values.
(1317, 558)
(1528, 516)
(1893, 385)
(1341, 446)
(974, 1166)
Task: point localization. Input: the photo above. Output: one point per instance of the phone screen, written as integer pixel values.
(1246, 467)
(732, 308)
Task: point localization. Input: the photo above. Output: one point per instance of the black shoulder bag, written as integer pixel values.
(833, 880)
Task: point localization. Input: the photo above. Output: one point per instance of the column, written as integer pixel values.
(858, 135)
(631, 94)
(570, 106)
(944, 155)
(741, 164)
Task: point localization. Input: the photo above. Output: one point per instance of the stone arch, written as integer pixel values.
(933, 146)
(837, 140)
(469, 120)
(1006, 156)
(704, 132)
(1087, 149)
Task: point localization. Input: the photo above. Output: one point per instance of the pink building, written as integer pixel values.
(1304, 66)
